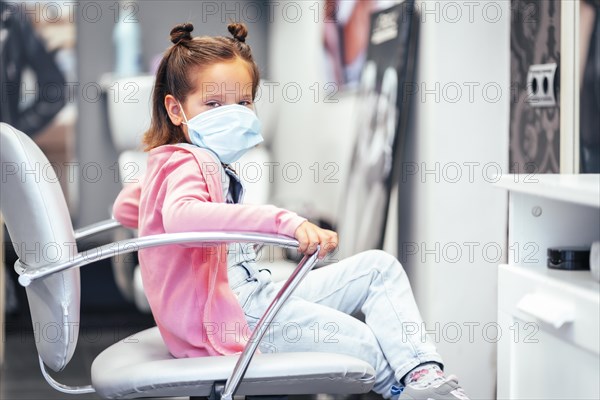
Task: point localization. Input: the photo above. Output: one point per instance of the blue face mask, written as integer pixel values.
(228, 131)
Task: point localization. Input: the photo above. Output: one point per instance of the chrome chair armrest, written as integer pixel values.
(29, 274)
(98, 227)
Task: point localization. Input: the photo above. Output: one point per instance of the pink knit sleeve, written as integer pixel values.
(126, 206)
(187, 207)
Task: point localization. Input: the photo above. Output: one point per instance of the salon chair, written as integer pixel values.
(41, 230)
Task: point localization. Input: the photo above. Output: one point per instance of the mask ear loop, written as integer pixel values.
(183, 112)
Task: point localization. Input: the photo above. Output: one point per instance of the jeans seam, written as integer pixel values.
(412, 344)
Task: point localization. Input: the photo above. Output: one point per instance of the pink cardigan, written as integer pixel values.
(187, 287)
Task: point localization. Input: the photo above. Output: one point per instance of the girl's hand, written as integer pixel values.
(310, 235)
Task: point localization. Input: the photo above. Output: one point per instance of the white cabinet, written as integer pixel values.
(549, 320)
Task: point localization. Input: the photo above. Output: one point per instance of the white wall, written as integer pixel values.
(456, 221)
(462, 133)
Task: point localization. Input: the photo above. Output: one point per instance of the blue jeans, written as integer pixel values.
(317, 317)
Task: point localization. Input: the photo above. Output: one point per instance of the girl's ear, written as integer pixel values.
(174, 110)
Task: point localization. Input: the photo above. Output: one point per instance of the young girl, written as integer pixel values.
(204, 302)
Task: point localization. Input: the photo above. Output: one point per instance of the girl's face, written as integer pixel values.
(217, 85)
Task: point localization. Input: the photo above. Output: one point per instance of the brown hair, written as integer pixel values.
(173, 76)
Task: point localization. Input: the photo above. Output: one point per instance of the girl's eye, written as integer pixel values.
(245, 103)
(213, 104)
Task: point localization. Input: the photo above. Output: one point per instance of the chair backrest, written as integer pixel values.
(41, 232)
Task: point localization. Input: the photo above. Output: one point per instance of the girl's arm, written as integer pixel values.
(126, 206)
(187, 207)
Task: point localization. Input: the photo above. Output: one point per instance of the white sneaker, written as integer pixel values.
(449, 389)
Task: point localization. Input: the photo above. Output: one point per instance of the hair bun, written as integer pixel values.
(239, 31)
(181, 32)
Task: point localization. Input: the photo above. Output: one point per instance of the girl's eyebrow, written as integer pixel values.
(212, 96)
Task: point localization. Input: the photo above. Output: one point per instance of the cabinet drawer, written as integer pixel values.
(568, 309)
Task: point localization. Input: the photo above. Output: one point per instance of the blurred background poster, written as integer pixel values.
(385, 79)
(39, 78)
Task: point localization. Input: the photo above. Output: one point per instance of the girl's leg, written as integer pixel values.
(375, 283)
(305, 326)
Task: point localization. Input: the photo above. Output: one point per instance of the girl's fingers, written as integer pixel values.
(328, 243)
(313, 241)
(309, 236)
(302, 239)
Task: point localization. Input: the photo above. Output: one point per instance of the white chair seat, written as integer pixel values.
(141, 366)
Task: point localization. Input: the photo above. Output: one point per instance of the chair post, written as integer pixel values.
(215, 392)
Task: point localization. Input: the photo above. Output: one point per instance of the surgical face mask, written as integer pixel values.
(228, 131)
